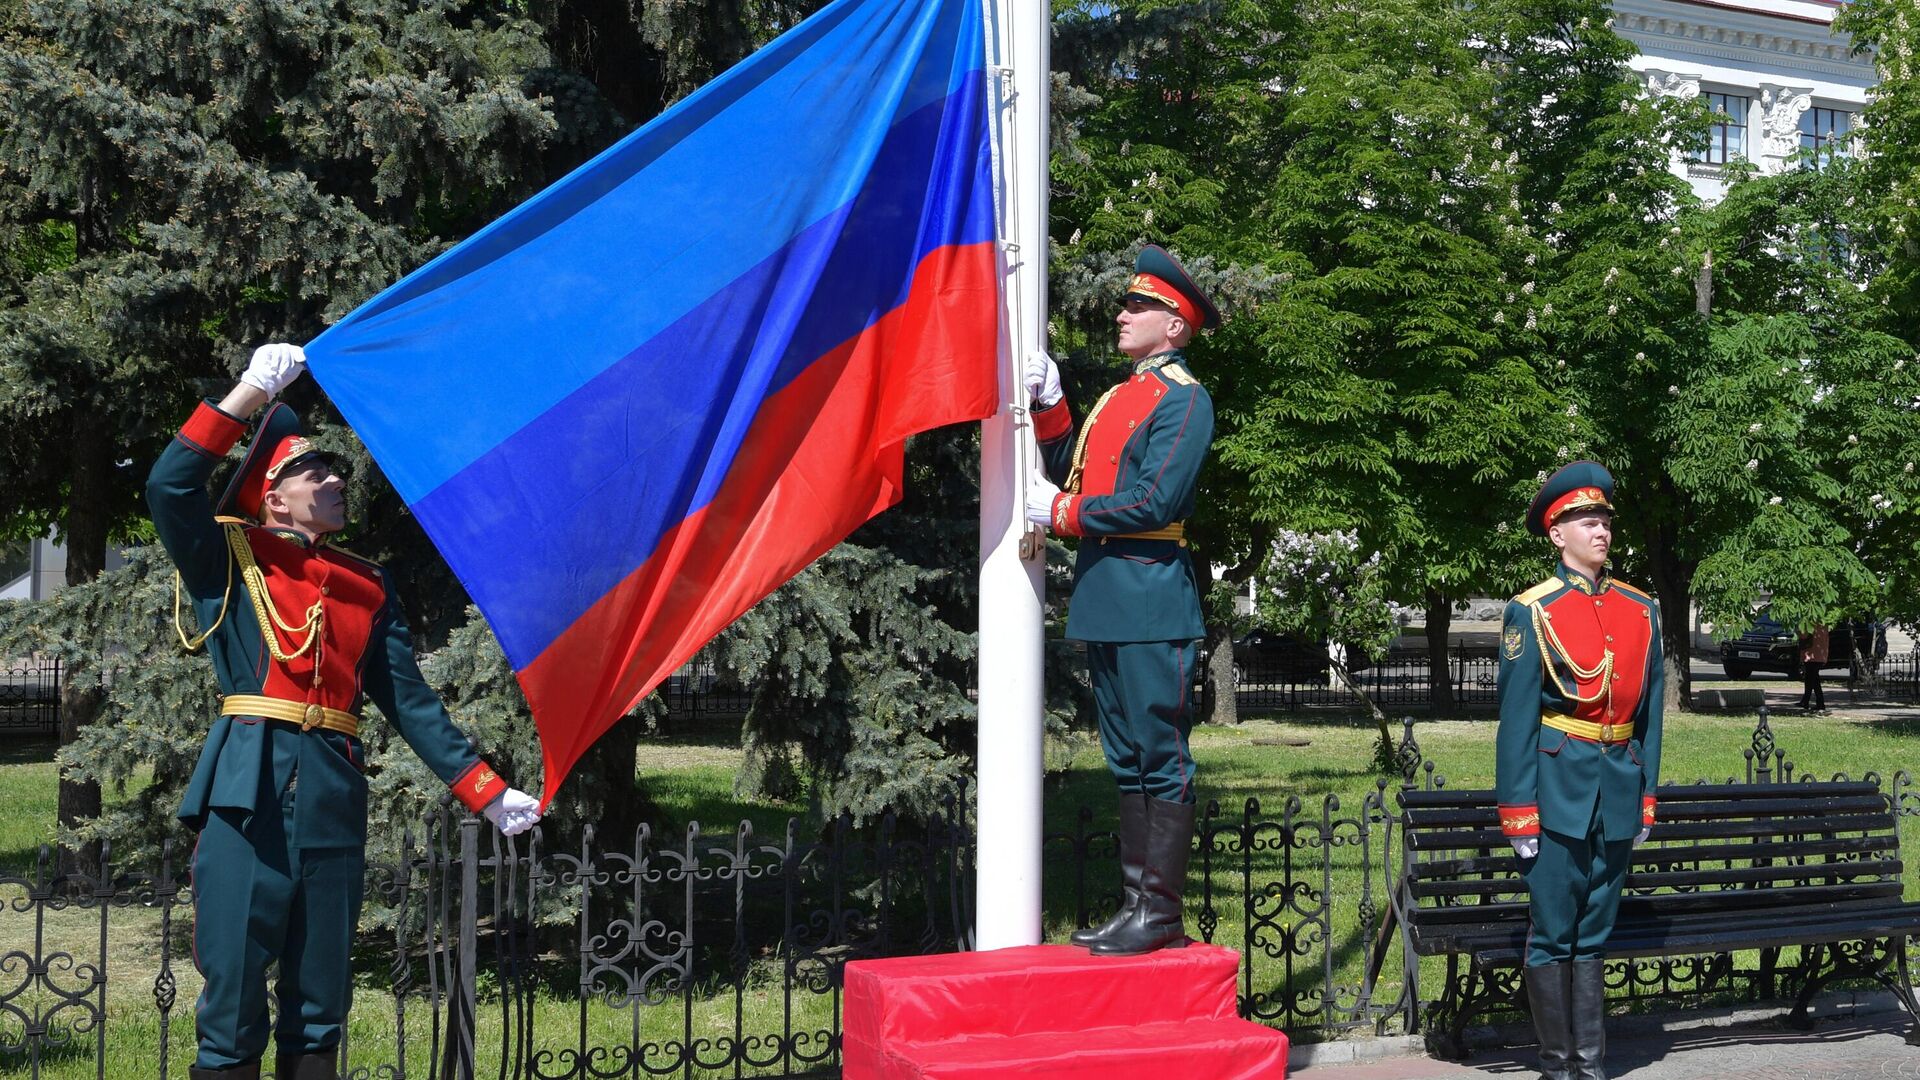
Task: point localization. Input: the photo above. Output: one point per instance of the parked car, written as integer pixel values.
(1265, 655)
(1766, 645)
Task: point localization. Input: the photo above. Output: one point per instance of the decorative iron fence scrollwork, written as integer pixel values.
(709, 954)
(30, 697)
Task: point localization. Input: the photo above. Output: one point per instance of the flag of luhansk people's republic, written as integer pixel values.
(644, 399)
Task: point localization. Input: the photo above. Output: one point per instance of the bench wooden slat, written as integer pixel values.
(1807, 873)
(1489, 838)
(1812, 809)
(1641, 931)
(1668, 793)
(1712, 935)
(1503, 861)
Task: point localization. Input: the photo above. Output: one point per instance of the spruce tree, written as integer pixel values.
(182, 180)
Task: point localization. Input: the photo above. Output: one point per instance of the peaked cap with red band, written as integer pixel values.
(278, 445)
(1579, 485)
(1158, 276)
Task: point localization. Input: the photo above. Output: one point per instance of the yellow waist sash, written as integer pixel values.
(1176, 532)
(1587, 729)
(293, 712)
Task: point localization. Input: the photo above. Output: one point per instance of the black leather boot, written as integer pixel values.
(1549, 990)
(1133, 856)
(306, 1066)
(246, 1071)
(1589, 1019)
(1158, 920)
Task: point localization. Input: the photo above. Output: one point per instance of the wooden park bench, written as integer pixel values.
(1728, 868)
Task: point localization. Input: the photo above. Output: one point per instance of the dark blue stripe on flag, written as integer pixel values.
(540, 527)
(672, 214)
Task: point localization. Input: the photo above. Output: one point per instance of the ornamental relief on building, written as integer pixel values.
(1672, 84)
(1777, 120)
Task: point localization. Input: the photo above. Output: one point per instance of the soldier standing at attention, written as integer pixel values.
(299, 632)
(1126, 489)
(1578, 757)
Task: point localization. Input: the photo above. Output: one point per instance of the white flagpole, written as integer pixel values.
(1007, 855)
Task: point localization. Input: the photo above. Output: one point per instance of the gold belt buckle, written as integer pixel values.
(315, 714)
(1606, 732)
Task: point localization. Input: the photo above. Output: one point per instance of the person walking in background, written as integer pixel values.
(1814, 646)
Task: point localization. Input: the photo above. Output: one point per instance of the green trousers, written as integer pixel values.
(1573, 891)
(1142, 691)
(257, 899)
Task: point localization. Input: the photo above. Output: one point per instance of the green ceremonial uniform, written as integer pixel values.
(1128, 482)
(279, 794)
(1577, 760)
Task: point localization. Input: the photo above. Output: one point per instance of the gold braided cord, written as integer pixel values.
(263, 609)
(1543, 633)
(193, 644)
(1080, 447)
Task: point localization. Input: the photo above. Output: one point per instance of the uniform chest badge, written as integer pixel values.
(1512, 643)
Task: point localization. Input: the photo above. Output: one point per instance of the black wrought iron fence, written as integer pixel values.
(721, 954)
(1894, 677)
(30, 697)
(1401, 679)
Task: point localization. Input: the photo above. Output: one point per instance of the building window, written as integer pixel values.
(1727, 138)
(1824, 132)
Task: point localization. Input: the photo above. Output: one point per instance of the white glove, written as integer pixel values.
(1043, 380)
(274, 366)
(1645, 830)
(1040, 495)
(514, 812)
(1527, 847)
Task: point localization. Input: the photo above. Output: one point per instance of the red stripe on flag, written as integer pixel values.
(823, 456)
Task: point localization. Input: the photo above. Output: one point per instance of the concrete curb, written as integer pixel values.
(1838, 1005)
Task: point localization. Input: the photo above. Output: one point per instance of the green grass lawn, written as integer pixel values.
(1305, 938)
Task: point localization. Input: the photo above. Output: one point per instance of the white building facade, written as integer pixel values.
(1777, 76)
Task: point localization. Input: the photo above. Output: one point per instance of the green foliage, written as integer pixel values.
(179, 181)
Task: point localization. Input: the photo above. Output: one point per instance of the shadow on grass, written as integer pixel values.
(1899, 723)
(28, 749)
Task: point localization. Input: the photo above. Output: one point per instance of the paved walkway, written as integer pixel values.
(1853, 1049)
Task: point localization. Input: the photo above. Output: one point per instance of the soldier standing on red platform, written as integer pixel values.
(1577, 759)
(300, 632)
(1126, 489)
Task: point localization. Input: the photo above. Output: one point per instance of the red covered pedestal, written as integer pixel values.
(1054, 1011)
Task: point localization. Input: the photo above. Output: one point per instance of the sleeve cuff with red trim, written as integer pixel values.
(1053, 423)
(211, 431)
(1066, 515)
(1520, 820)
(478, 786)
(1646, 809)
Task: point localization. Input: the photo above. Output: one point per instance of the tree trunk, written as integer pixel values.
(85, 535)
(1673, 587)
(1439, 672)
(1223, 699)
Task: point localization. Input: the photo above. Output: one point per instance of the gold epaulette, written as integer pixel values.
(1618, 584)
(1539, 591)
(1179, 374)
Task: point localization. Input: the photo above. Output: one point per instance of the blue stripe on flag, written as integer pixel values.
(540, 527)
(633, 241)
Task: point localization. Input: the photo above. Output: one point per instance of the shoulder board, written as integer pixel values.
(1176, 374)
(1540, 591)
(228, 519)
(1626, 588)
(338, 550)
